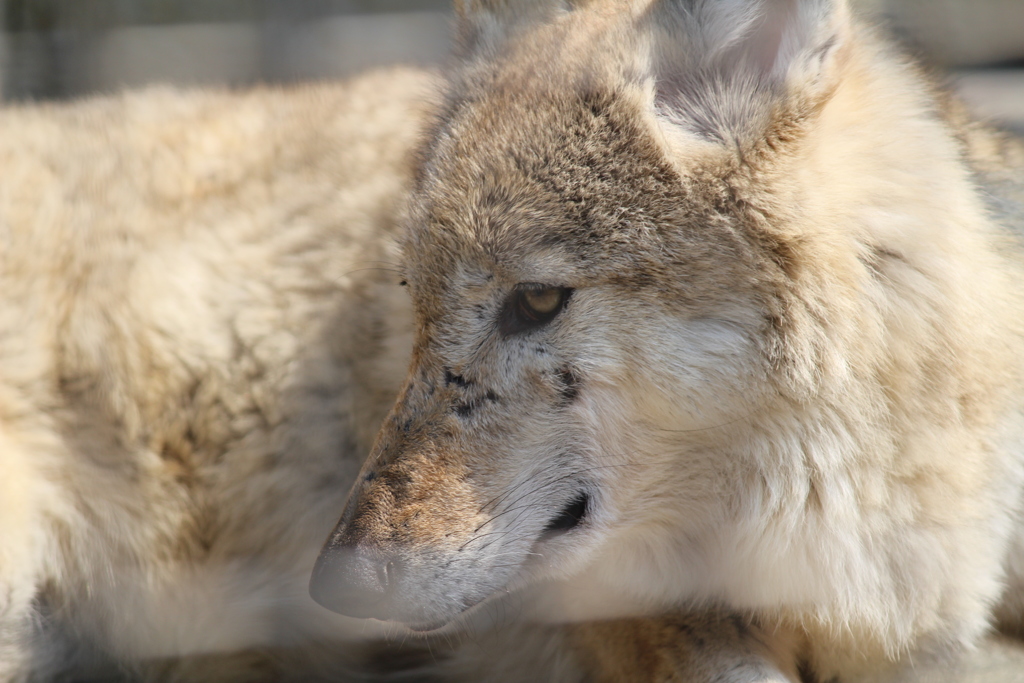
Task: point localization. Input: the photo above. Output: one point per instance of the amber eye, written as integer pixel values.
(541, 302)
(532, 306)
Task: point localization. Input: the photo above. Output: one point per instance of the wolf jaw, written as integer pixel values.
(762, 354)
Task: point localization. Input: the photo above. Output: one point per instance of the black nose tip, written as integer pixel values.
(354, 581)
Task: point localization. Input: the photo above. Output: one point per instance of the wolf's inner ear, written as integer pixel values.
(718, 63)
(483, 24)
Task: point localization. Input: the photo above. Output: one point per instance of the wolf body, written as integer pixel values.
(200, 332)
(712, 339)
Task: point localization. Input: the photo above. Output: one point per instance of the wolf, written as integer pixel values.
(717, 351)
(706, 366)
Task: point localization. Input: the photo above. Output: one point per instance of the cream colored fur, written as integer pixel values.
(199, 329)
(787, 378)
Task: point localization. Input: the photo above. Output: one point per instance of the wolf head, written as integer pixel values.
(651, 332)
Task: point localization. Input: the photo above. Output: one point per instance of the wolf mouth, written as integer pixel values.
(570, 517)
(451, 621)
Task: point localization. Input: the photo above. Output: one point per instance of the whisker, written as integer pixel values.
(694, 430)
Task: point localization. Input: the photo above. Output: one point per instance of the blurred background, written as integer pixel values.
(52, 49)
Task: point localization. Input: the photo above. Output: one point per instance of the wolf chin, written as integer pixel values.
(684, 338)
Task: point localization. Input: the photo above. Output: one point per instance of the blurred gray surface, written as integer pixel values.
(193, 54)
(996, 95)
(959, 32)
(71, 62)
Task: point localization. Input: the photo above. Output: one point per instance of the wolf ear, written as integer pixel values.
(484, 23)
(719, 65)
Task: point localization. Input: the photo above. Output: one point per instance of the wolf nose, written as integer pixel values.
(354, 581)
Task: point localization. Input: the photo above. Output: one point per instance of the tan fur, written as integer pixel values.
(200, 329)
(695, 647)
(787, 378)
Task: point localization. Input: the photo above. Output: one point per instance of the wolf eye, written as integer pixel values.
(532, 306)
(540, 302)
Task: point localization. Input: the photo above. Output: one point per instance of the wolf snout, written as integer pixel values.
(355, 580)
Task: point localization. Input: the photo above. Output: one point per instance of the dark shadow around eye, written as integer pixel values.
(531, 306)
